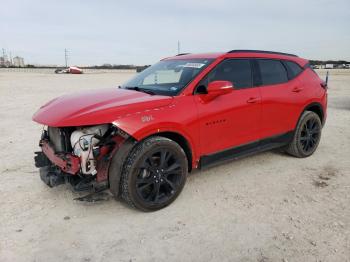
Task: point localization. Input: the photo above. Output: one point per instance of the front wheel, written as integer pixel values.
(307, 135)
(154, 174)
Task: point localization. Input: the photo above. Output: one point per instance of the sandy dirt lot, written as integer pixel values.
(268, 207)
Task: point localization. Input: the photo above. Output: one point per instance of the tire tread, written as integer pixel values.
(130, 160)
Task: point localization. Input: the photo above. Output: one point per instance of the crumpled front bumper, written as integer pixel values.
(67, 162)
(54, 167)
(60, 167)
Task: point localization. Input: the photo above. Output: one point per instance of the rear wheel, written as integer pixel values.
(307, 135)
(154, 174)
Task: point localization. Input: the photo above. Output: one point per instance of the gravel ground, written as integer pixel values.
(267, 207)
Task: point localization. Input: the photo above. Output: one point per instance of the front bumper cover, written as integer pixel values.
(55, 167)
(67, 162)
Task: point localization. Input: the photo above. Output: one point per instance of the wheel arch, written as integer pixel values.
(118, 159)
(316, 108)
(181, 140)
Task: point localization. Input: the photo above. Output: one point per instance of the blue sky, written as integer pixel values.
(142, 32)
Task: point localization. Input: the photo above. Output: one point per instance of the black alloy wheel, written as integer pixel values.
(310, 135)
(159, 176)
(307, 135)
(154, 173)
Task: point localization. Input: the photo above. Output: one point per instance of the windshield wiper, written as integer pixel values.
(136, 88)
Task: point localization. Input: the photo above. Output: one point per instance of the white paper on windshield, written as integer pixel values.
(194, 65)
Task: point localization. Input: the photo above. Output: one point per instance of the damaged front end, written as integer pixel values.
(80, 156)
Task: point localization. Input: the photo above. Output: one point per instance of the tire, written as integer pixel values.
(116, 167)
(154, 174)
(307, 135)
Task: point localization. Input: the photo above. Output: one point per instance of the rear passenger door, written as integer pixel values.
(280, 97)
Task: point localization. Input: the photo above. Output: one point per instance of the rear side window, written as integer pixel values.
(272, 72)
(293, 69)
(309, 66)
(237, 71)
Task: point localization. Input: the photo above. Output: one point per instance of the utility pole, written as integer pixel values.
(3, 62)
(66, 56)
(178, 47)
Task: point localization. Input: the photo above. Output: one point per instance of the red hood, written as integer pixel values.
(96, 107)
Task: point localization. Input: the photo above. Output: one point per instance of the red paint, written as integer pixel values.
(229, 120)
(67, 162)
(75, 70)
(209, 125)
(104, 162)
(217, 88)
(96, 107)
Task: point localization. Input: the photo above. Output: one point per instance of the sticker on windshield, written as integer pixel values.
(194, 65)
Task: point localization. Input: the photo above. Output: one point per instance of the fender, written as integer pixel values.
(316, 107)
(174, 128)
(151, 122)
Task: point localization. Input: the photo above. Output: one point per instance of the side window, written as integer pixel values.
(238, 71)
(272, 72)
(293, 69)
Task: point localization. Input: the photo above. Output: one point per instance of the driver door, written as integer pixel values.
(232, 119)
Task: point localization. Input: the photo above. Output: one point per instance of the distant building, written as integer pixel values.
(4, 62)
(18, 61)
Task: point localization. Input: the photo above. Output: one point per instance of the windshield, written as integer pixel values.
(167, 77)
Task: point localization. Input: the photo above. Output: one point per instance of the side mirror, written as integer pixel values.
(217, 88)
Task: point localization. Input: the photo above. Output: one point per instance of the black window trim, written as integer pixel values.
(284, 62)
(224, 60)
(257, 81)
(256, 73)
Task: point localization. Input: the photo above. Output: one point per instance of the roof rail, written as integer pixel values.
(183, 54)
(260, 51)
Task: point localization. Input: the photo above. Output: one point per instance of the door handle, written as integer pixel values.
(297, 89)
(253, 100)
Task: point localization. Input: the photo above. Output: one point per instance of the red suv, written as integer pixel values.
(185, 112)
